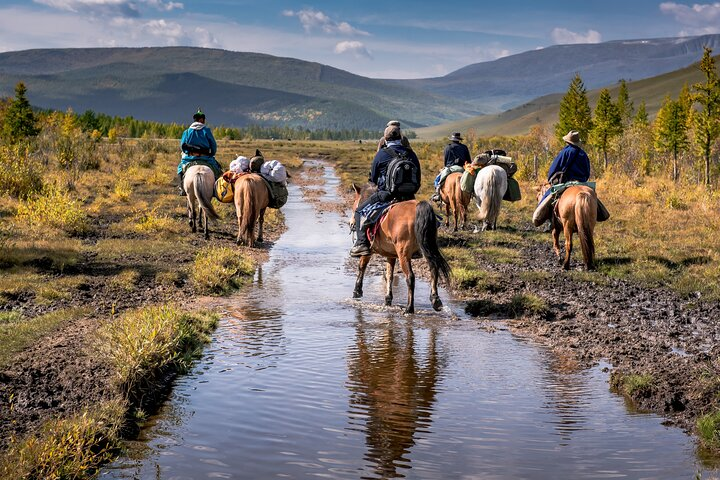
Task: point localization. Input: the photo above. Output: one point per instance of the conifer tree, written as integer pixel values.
(606, 124)
(671, 130)
(624, 104)
(707, 119)
(19, 121)
(641, 116)
(575, 111)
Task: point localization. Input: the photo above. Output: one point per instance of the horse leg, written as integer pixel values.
(389, 277)
(362, 265)
(191, 214)
(206, 232)
(447, 214)
(406, 267)
(261, 221)
(568, 245)
(556, 236)
(434, 297)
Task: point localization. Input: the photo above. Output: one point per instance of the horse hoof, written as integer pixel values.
(388, 301)
(409, 311)
(357, 294)
(436, 303)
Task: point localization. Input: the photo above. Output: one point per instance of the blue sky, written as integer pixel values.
(401, 39)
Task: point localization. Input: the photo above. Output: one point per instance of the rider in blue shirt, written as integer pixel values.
(197, 144)
(572, 163)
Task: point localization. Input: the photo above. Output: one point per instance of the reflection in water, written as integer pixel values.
(393, 381)
(567, 397)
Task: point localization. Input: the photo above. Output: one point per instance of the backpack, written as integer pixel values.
(402, 176)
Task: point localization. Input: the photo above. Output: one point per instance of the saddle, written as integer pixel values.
(546, 206)
(218, 173)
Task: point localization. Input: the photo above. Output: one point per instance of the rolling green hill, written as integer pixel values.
(544, 110)
(235, 88)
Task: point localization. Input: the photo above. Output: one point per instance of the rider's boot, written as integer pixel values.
(181, 185)
(436, 196)
(362, 244)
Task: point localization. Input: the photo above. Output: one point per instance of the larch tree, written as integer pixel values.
(625, 106)
(707, 118)
(641, 116)
(606, 124)
(671, 130)
(19, 121)
(575, 111)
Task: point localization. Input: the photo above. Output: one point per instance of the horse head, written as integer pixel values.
(362, 193)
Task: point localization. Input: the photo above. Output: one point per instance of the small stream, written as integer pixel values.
(301, 381)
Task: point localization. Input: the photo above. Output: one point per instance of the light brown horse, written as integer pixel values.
(454, 199)
(410, 227)
(251, 199)
(575, 211)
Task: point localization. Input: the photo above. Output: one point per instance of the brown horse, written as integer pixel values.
(575, 211)
(454, 199)
(410, 227)
(251, 199)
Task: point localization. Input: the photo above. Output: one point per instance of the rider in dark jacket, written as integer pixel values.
(456, 153)
(377, 175)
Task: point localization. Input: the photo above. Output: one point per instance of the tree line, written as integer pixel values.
(683, 126)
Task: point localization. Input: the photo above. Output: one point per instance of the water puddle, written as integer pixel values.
(302, 381)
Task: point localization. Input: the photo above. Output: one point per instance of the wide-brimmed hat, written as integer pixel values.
(572, 137)
(455, 137)
(392, 133)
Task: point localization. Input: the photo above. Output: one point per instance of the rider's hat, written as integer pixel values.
(456, 137)
(572, 137)
(394, 123)
(198, 115)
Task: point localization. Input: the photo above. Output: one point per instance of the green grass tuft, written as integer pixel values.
(528, 304)
(219, 270)
(708, 427)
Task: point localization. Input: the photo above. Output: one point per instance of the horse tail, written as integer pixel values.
(585, 215)
(426, 237)
(249, 211)
(200, 194)
(490, 204)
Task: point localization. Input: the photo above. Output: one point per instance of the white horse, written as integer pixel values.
(199, 183)
(490, 187)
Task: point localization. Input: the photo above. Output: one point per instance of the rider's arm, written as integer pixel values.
(212, 142)
(559, 164)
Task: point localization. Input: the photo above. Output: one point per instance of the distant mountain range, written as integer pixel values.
(544, 110)
(510, 81)
(235, 88)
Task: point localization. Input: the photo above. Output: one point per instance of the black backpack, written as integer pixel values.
(402, 177)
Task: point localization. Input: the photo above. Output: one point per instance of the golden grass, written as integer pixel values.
(69, 448)
(219, 270)
(143, 343)
(54, 209)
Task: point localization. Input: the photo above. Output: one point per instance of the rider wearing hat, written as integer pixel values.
(455, 153)
(197, 143)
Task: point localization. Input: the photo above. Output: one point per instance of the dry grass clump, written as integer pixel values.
(68, 448)
(143, 343)
(528, 304)
(53, 209)
(634, 385)
(126, 279)
(218, 270)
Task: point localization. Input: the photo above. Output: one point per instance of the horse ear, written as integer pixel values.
(356, 188)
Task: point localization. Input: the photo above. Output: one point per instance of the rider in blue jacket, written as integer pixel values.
(572, 163)
(197, 144)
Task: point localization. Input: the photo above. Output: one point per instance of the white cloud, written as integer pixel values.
(698, 20)
(490, 52)
(354, 47)
(317, 20)
(124, 8)
(564, 36)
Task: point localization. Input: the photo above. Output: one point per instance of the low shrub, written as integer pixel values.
(55, 209)
(218, 270)
(20, 175)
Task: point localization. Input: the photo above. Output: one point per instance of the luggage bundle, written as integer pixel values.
(275, 175)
